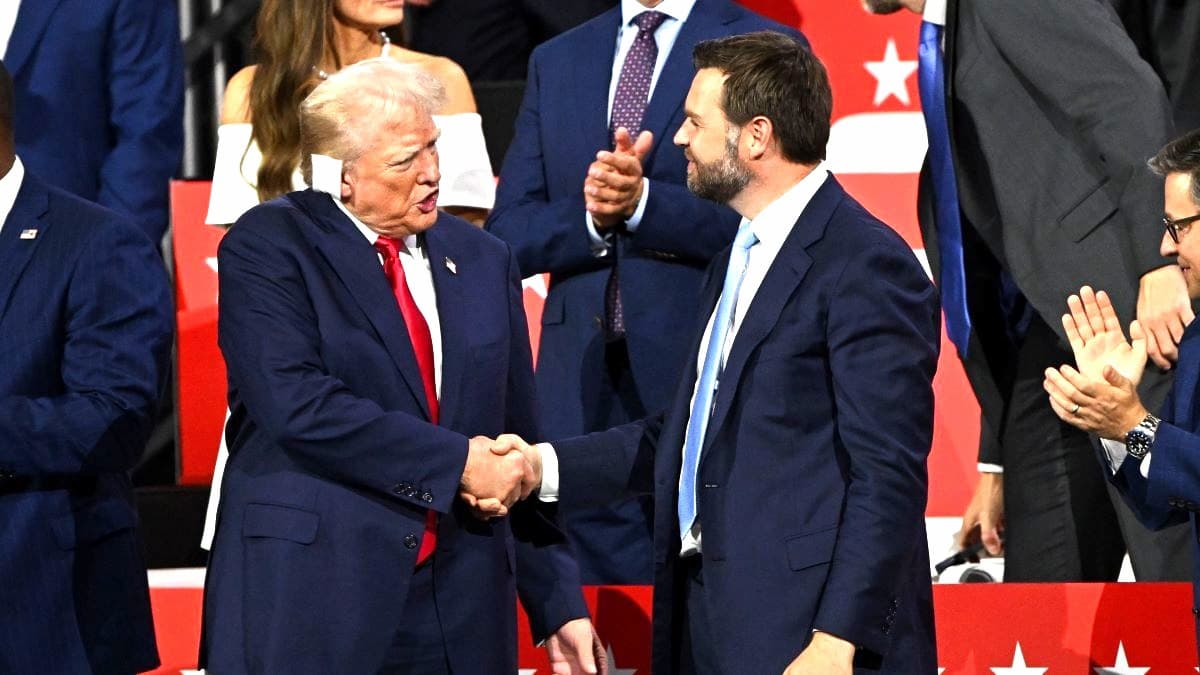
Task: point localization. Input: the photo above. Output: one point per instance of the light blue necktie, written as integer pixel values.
(931, 81)
(706, 389)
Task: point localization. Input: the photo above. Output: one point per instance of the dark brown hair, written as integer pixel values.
(1181, 155)
(775, 76)
(291, 38)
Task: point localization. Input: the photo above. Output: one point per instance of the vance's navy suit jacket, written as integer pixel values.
(99, 100)
(1171, 493)
(540, 212)
(85, 340)
(334, 462)
(812, 480)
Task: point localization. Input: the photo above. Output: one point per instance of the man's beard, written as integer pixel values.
(883, 6)
(722, 180)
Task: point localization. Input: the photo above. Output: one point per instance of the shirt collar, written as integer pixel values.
(775, 222)
(675, 9)
(412, 242)
(935, 12)
(10, 185)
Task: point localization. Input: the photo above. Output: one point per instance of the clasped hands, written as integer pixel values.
(498, 474)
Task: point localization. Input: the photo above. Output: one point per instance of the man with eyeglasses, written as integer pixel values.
(1154, 462)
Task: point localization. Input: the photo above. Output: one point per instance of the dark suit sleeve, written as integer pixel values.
(883, 346)
(548, 580)
(607, 466)
(117, 343)
(145, 91)
(1079, 60)
(676, 221)
(1174, 481)
(546, 235)
(267, 331)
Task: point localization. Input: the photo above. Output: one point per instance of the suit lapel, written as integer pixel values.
(782, 280)
(950, 50)
(453, 323)
(592, 76)
(704, 22)
(32, 18)
(357, 265)
(15, 252)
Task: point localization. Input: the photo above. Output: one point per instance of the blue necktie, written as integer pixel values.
(706, 389)
(953, 281)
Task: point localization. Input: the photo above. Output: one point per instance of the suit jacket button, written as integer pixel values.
(410, 541)
(427, 498)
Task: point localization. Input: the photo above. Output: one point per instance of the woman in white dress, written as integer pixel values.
(258, 142)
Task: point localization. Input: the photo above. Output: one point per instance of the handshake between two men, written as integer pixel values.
(499, 473)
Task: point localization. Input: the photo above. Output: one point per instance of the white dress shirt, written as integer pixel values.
(10, 185)
(677, 12)
(8, 19)
(772, 227)
(935, 12)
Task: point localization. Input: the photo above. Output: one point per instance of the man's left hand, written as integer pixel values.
(613, 186)
(1108, 408)
(575, 648)
(825, 655)
(1164, 310)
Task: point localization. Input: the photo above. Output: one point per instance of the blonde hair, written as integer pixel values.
(343, 114)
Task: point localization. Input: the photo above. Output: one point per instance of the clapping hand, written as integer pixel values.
(1097, 340)
(613, 186)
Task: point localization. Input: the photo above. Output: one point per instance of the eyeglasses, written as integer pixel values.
(1175, 228)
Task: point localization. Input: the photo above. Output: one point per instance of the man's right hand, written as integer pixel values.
(984, 518)
(494, 477)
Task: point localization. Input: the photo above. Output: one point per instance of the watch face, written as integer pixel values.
(1137, 442)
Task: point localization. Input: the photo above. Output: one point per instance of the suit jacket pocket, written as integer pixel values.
(1094, 208)
(812, 548)
(280, 522)
(93, 522)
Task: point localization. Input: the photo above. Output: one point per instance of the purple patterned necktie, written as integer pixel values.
(628, 108)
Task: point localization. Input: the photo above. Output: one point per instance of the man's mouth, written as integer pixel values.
(429, 204)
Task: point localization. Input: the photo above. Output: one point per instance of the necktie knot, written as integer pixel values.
(648, 22)
(388, 247)
(745, 239)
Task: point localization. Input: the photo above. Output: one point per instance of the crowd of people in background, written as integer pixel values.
(725, 342)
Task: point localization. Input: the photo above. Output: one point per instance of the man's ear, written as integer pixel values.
(348, 183)
(760, 135)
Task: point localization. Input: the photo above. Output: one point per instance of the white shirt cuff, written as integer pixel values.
(1117, 454)
(632, 222)
(600, 242)
(984, 467)
(548, 492)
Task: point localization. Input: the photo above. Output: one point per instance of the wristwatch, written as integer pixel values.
(1140, 438)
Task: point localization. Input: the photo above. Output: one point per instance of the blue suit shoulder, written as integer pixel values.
(85, 219)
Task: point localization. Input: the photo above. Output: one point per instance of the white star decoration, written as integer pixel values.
(1018, 666)
(891, 75)
(1121, 667)
(612, 664)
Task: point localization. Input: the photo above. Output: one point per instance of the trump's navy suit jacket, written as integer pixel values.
(812, 480)
(85, 339)
(1171, 492)
(334, 462)
(540, 212)
(99, 100)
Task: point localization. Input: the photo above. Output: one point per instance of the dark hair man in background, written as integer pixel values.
(1154, 462)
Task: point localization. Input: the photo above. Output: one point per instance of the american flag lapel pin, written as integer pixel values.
(29, 234)
(451, 266)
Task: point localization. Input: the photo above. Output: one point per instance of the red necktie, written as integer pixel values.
(422, 343)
